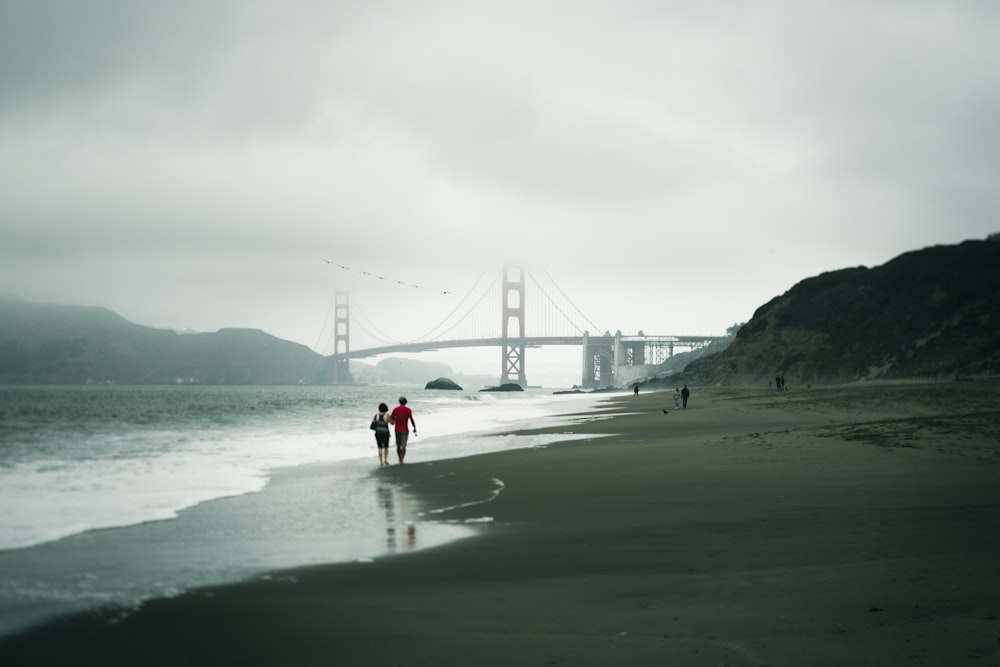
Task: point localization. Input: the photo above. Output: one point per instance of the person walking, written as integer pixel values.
(677, 398)
(685, 393)
(401, 418)
(380, 424)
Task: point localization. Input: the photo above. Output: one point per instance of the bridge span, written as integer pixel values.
(607, 360)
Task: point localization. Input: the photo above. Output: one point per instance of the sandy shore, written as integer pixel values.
(838, 526)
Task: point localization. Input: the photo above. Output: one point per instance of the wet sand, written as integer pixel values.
(829, 526)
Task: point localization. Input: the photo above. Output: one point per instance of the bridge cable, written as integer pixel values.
(556, 306)
(570, 301)
(326, 321)
(552, 302)
(427, 336)
(372, 335)
(378, 335)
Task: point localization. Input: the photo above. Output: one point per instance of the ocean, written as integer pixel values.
(113, 495)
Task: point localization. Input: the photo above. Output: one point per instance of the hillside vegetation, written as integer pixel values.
(930, 313)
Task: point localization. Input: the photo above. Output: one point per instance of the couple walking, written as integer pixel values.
(401, 417)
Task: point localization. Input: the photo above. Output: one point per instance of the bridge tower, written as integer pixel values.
(513, 312)
(341, 339)
(598, 361)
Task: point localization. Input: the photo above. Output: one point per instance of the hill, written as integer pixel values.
(58, 344)
(930, 313)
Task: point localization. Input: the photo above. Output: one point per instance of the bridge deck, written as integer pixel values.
(527, 341)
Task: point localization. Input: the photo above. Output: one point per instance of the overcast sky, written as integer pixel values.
(671, 165)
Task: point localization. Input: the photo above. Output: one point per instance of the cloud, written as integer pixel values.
(672, 165)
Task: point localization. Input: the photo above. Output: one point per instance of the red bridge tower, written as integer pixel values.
(513, 336)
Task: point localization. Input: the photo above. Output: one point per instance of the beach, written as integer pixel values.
(856, 524)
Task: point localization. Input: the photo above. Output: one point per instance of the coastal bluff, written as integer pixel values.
(930, 313)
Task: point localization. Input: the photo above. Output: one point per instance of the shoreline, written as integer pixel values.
(164, 456)
(846, 525)
(305, 514)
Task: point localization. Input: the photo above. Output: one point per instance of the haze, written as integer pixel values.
(672, 166)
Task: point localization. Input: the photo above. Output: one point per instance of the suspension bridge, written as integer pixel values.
(497, 315)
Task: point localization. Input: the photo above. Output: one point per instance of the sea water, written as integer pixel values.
(112, 495)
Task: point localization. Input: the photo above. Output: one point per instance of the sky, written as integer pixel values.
(671, 166)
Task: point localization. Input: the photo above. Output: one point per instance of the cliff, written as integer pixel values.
(929, 313)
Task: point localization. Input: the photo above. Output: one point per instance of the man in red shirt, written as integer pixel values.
(402, 417)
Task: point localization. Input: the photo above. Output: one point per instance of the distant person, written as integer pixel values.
(380, 424)
(685, 393)
(784, 387)
(401, 418)
(636, 388)
(677, 398)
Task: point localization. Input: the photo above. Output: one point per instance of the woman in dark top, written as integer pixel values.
(380, 424)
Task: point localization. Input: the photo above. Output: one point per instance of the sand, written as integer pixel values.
(855, 525)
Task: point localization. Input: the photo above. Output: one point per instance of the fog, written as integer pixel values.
(671, 166)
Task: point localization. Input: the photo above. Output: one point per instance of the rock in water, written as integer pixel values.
(442, 383)
(510, 386)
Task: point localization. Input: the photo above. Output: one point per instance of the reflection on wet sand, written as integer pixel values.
(389, 499)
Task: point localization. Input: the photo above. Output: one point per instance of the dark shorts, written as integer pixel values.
(382, 439)
(401, 438)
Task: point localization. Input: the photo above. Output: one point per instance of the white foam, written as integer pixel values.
(498, 486)
(124, 475)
